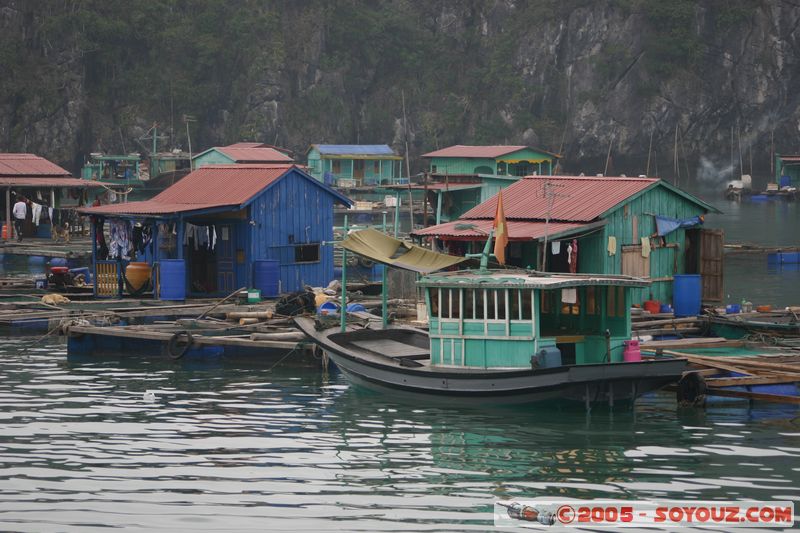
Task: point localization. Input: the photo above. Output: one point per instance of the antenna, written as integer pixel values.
(549, 193)
(187, 119)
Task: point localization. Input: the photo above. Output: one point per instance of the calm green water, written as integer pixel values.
(237, 448)
(773, 223)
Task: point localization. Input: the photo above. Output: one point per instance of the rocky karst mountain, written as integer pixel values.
(582, 77)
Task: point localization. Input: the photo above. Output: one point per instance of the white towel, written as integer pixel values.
(569, 296)
(36, 212)
(555, 247)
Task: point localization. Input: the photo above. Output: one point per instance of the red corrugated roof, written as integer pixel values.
(28, 165)
(47, 181)
(254, 154)
(579, 199)
(517, 230)
(460, 150)
(208, 187)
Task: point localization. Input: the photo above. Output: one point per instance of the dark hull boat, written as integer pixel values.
(398, 360)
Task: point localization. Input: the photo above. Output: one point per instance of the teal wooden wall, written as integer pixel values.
(477, 165)
(211, 157)
(463, 165)
(664, 262)
(375, 170)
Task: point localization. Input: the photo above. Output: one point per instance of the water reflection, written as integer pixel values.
(234, 446)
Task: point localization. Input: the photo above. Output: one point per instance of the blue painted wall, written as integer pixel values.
(291, 212)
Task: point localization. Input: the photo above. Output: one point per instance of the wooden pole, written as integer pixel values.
(9, 228)
(384, 287)
(408, 165)
(649, 151)
(425, 201)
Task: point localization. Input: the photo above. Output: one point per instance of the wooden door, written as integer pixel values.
(711, 264)
(225, 258)
(358, 169)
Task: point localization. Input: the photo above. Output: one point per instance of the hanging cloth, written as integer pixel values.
(555, 247)
(572, 258)
(612, 245)
(36, 212)
(569, 296)
(645, 246)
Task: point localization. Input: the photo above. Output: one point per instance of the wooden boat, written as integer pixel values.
(760, 326)
(506, 337)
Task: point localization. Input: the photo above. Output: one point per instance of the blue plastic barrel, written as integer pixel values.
(686, 294)
(790, 257)
(58, 262)
(785, 181)
(355, 308)
(266, 275)
(172, 279)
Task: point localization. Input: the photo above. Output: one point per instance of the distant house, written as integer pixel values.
(39, 181)
(787, 170)
(219, 221)
(464, 176)
(354, 165)
(240, 153)
(634, 226)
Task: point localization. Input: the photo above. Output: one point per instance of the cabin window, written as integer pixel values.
(451, 303)
(376, 168)
(515, 304)
(495, 302)
(306, 253)
(480, 304)
(615, 302)
(336, 166)
(591, 301)
(433, 295)
(526, 296)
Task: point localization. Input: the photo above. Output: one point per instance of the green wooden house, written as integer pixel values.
(241, 153)
(480, 172)
(354, 165)
(517, 161)
(640, 227)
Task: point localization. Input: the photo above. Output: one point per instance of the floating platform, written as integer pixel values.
(79, 248)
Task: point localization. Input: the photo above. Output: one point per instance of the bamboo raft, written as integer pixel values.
(771, 376)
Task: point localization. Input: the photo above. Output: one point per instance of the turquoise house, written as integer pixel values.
(354, 165)
(241, 153)
(465, 176)
(641, 227)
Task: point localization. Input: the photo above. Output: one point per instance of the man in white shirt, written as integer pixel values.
(19, 212)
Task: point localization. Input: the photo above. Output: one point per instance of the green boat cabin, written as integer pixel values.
(501, 320)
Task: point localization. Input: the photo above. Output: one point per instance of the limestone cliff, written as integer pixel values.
(586, 78)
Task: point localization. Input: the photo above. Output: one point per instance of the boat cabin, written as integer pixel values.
(501, 320)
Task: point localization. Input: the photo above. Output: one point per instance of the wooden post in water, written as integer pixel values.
(343, 303)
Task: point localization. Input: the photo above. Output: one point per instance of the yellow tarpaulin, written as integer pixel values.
(381, 248)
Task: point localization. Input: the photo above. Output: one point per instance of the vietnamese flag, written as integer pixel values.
(500, 231)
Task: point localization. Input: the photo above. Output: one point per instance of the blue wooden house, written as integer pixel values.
(354, 165)
(218, 223)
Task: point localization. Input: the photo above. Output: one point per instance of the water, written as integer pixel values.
(748, 276)
(234, 448)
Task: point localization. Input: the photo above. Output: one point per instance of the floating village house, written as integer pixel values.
(354, 165)
(634, 226)
(43, 183)
(461, 176)
(241, 153)
(214, 230)
(787, 171)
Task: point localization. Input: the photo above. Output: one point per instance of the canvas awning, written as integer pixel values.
(386, 250)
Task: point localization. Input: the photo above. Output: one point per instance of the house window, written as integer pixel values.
(376, 168)
(306, 253)
(336, 166)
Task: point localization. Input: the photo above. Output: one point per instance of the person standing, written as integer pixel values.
(19, 212)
